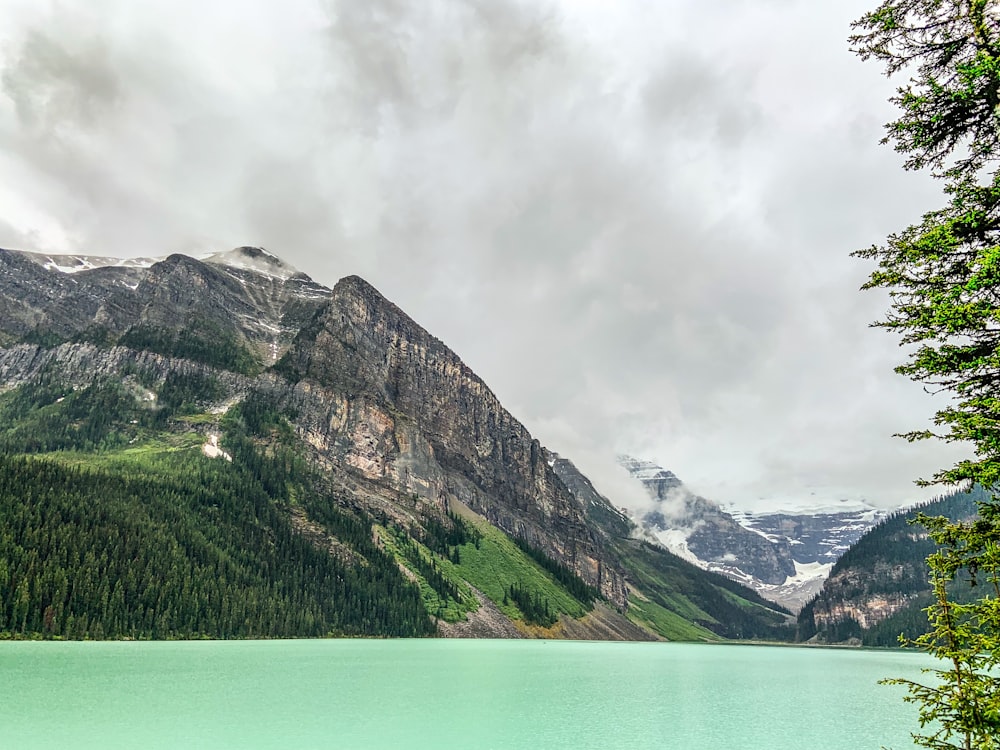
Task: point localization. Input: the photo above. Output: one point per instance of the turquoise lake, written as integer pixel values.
(443, 694)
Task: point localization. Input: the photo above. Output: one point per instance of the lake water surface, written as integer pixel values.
(443, 694)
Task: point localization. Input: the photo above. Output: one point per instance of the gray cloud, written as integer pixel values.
(633, 221)
(690, 99)
(52, 85)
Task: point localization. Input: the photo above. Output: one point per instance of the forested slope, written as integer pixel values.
(879, 587)
(147, 538)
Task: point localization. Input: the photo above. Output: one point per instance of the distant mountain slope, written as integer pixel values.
(816, 539)
(879, 587)
(820, 536)
(782, 556)
(701, 531)
(335, 420)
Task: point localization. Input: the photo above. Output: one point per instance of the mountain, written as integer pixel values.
(819, 537)
(238, 310)
(879, 587)
(783, 556)
(699, 530)
(816, 539)
(223, 447)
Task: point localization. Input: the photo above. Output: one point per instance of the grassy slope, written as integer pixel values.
(492, 566)
(498, 563)
(664, 622)
(443, 607)
(156, 454)
(682, 602)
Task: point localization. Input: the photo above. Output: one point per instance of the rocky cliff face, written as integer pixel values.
(394, 413)
(854, 600)
(416, 417)
(850, 597)
(604, 517)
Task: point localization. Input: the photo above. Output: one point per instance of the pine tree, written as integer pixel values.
(943, 277)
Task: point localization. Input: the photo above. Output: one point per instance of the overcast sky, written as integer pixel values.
(632, 219)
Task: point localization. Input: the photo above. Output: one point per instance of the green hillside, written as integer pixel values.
(112, 536)
(683, 602)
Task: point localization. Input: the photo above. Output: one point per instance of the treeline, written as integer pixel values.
(91, 554)
(534, 608)
(897, 537)
(564, 575)
(48, 339)
(199, 341)
(185, 392)
(46, 416)
(260, 439)
(427, 569)
(445, 539)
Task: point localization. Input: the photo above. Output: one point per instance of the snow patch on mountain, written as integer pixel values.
(800, 588)
(810, 572)
(675, 540)
(256, 260)
(71, 264)
(646, 470)
(253, 259)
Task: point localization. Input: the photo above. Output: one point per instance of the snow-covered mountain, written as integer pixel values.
(817, 540)
(816, 537)
(785, 556)
(698, 529)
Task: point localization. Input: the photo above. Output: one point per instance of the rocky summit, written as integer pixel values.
(423, 505)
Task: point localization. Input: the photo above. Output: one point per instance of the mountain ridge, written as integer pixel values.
(333, 402)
